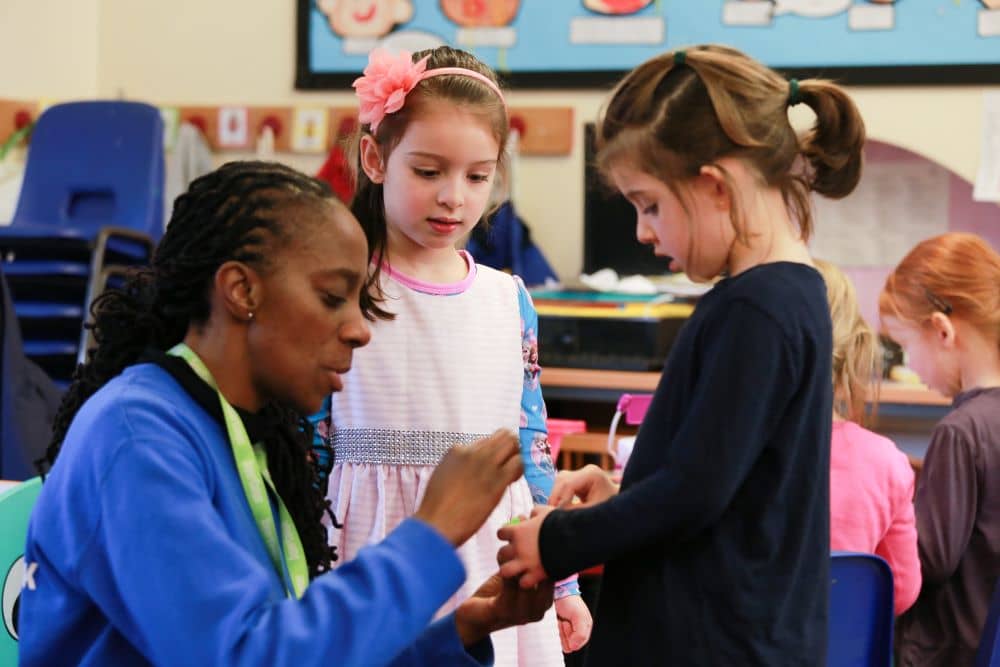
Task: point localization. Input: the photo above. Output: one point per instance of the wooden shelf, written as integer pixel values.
(585, 378)
(909, 394)
(632, 381)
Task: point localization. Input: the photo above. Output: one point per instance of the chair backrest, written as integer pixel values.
(861, 611)
(16, 504)
(634, 407)
(93, 164)
(988, 654)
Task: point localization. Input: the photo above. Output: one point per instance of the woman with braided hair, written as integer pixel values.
(180, 519)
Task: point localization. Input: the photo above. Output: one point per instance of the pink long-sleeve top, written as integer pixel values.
(871, 505)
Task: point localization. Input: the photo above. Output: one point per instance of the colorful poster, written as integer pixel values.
(565, 43)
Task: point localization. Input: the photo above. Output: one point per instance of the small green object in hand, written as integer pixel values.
(513, 522)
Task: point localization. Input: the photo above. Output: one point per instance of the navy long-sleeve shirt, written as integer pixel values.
(717, 546)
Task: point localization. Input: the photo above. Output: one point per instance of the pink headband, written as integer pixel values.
(388, 79)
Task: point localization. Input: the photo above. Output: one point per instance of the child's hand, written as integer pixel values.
(574, 622)
(521, 559)
(590, 484)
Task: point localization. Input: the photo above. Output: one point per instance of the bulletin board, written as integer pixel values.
(589, 43)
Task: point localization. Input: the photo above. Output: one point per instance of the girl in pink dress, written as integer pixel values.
(871, 481)
(459, 357)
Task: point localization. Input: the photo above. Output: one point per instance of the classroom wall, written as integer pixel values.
(233, 51)
(48, 48)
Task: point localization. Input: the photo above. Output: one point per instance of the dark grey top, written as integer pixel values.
(958, 532)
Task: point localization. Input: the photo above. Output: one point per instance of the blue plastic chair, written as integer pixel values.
(92, 197)
(92, 165)
(988, 654)
(861, 611)
(16, 504)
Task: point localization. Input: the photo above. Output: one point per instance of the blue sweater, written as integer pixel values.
(147, 553)
(717, 546)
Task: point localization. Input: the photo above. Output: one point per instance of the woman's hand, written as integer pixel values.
(468, 484)
(498, 604)
(590, 484)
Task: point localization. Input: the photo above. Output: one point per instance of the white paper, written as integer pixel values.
(895, 205)
(618, 30)
(410, 41)
(396, 41)
(989, 23)
(811, 8)
(748, 12)
(473, 37)
(358, 46)
(987, 186)
(871, 17)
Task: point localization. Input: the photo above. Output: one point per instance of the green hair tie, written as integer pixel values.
(679, 58)
(793, 93)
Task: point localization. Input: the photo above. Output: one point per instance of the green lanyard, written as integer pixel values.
(251, 463)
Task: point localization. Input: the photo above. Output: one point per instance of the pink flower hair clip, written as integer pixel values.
(388, 79)
(386, 82)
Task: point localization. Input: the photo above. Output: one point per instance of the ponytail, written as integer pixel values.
(682, 110)
(834, 145)
(857, 360)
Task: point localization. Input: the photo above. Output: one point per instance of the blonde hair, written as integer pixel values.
(955, 273)
(857, 359)
(686, 109)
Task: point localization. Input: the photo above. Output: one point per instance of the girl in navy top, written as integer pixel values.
(716, 546)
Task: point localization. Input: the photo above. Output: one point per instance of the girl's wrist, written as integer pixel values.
(566, 587)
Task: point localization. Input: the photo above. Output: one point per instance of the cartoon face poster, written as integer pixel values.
(365, 18)
(551, 37)
(480, 13)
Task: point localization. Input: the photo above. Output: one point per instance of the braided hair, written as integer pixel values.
(231, 214)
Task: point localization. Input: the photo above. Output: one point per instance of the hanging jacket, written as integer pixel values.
(506, 244)
(28, 401)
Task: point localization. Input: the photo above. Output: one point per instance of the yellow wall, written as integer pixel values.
(232, 51)
(48, 48)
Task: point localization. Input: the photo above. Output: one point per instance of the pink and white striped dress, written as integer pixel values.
(447, 370)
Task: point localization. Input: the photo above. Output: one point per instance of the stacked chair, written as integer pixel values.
(91, 205)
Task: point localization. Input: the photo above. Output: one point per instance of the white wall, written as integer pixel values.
(233, 51)
(48, 49)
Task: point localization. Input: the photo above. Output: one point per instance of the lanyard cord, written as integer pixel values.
(251, 464)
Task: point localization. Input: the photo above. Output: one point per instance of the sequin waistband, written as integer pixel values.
(396, 447)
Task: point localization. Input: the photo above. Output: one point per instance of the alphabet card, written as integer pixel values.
(234, 127)
(309, 130)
